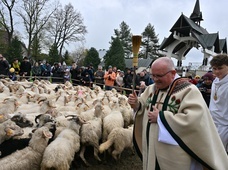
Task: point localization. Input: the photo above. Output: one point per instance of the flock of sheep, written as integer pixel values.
(44, 125)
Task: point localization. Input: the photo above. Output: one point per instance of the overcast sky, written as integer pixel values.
(101, 17)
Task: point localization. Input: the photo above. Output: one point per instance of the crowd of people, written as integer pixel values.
(58, 72)
(110, 78)
(113, 77)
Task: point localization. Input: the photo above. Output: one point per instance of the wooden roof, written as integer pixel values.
(186, 27)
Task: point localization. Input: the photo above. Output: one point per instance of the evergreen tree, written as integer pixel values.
(149, 42)
(115, 55)
(124, 35)
(36, 49)
(15, 50)
(67, 58)
(54, 54)
(92, 57)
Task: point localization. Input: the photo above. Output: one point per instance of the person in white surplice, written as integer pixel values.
(219, 96)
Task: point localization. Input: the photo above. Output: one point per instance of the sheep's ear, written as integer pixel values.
(47, 133)
(34, 130)
(1, 116)
(81, 120)
(9, 132)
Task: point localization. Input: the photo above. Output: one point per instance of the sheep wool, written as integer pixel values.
(60, 153)
(120, 138)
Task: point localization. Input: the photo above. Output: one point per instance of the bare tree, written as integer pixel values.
(6, 20)
(35, 15)
(66, 26)
(79, 54)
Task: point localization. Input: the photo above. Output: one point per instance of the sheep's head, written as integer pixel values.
(21, 120)
(77, 119)
(82, 106)
(122, 100)
(4, 117)
(98, 110)
(11, 101)
(114, 104)
(11, 129)
(42, 119)
(40, 136)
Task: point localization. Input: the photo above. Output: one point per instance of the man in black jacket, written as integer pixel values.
(26, 68)
(4, 66)
(128, 80)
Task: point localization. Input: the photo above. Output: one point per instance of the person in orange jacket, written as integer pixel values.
(110, 78)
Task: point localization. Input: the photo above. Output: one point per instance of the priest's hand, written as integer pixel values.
(133, 100)
(153, 115)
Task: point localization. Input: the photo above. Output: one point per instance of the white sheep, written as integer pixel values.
(8, 129)
(126, 111)
(30, 157)
(119, 138)
(112, 120)
(91, 133)
(9, 105)
(4, 91)
(60, 153)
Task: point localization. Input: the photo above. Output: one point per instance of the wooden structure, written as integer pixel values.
(187, 33)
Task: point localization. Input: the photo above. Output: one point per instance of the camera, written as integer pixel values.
(203, 89)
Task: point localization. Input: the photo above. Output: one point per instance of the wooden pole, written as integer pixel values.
(136, 42)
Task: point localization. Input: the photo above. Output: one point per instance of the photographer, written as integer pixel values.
(205, 87)
(110, 78)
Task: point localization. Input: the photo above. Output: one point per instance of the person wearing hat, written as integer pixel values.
(12, 74)
(109, 78)
(16, 65)
(197, 78)
(205, 87)
(118, 72)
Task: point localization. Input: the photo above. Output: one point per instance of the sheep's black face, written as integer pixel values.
(51, 126)
(49, 119)
(21, 121)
